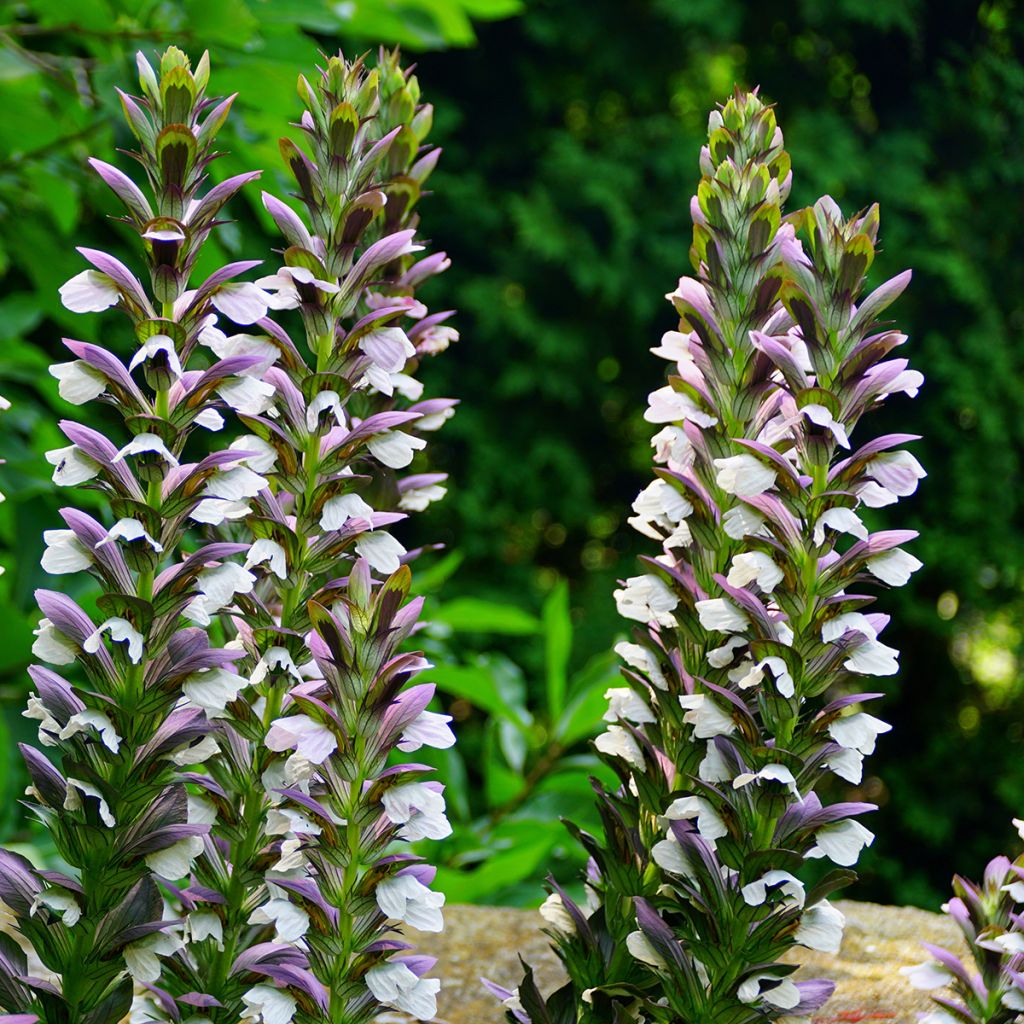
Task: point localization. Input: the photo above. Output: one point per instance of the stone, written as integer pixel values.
(878, 941)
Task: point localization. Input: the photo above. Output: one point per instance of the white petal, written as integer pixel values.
(241, 301)
(381, 550)
(395, 448)
(175, 861)
(744, 475)
(89, 292)
(894, 567)
(78, 381)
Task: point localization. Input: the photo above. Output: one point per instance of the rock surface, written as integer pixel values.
(877, 943)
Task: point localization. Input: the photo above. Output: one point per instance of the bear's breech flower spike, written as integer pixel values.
(110, 692)
(753, 624)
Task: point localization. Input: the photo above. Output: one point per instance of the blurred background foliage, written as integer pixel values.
(571, 133)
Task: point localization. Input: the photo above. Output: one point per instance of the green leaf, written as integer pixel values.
(472, 615)
(557, 646)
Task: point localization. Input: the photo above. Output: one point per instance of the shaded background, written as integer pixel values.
(571, 133)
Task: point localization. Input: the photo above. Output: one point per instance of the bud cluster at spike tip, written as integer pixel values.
(307, 879)
(110, 696)
(986, 986)
(754, 622)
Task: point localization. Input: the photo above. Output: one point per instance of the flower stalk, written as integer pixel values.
(753, 620)
(112, 700)
(303, 861)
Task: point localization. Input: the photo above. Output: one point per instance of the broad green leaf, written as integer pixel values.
(557, 646)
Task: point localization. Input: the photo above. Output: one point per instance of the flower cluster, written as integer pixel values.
(301, 881)
(753, 621)
(222, 728)
(109, 700)
(991, 918)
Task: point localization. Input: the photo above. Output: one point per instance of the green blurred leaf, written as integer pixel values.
(557, 646)
(472, 615)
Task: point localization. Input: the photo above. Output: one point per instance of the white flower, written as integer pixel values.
(553, 911)
(928, 975)
(641, 659)
(64, 553)
(744, 476)
(754, 566)
(203, 925)
(742, 521)
(89, 719)
(894, 567)
(769, 773)
(626, 703)
(842, 842)
(667, 405)
(646, 599)
(59, 900)
(278, 659)
(153, 345)
(224, 347)
(196, 753)
(617, 742)
(719, 657)
(146, 443)
(89, 292)
(175, 861)
(640, 946)
(709, 823)
(871, 657)
(720, 615)
(405, 898)
(142, 957)
(843, 520)
(895, 472)
(325, 401)
(337, 511)
(52, 646)
(821, 928)
(247, 395)
(78, 381)
(310, 739)
(213, 689)
(713, 767)
(264, 458)
(419, 808)
(858, 731)
(756, 892)
(388, 347)
(675, 347)
(73, 802)
(284, 283)
(121, 631)
(241, 301)
(265, 1004)
(290, 922)
(669, 855)
(429, 729)
(780, 992)
(393, 984)
(659, 504)
(49, 727)
(73, 466)
(217, 589)
(848, 764)
(394, 448)
(821, 417)
(129, 530)
(707, 718)
(269, 551)
(780, 670)
(225, 495)
(416, 499)
(381, 550)
(672, 446)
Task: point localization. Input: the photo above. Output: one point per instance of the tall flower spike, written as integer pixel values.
(989, 986)
(305, 867)
(753, 620)
(111, 791)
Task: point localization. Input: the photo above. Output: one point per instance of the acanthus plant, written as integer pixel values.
(160, 699)
(304, 878)
(754, 622)
(112, 699)
(987, 987)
